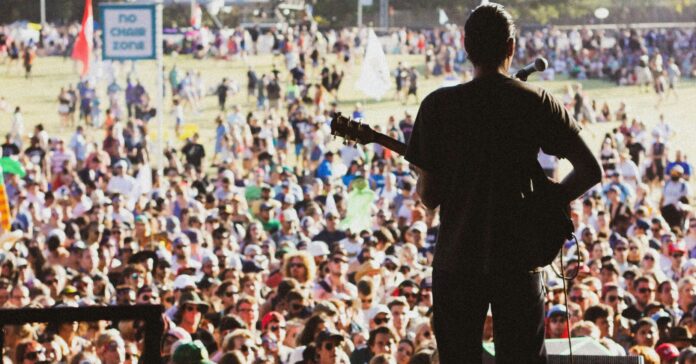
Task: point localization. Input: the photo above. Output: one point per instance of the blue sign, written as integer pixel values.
(129, 32)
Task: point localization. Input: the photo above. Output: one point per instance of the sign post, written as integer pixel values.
(134, 32)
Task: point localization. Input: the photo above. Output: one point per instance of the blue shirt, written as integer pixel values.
(324, 170)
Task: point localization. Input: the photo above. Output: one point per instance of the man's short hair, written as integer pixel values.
(593, 313)
(486, 33)
(380, 330)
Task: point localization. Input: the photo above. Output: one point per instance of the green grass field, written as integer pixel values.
(38, 96)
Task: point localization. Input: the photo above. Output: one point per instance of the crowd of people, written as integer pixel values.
(275, 245)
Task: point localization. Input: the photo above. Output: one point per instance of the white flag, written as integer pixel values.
(443, 17)
(374, 78)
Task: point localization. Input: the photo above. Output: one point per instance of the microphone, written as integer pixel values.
(539, 65)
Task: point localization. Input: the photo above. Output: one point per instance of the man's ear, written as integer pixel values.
(511, 47)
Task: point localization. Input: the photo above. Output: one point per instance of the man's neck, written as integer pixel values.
(481, 71)
(188, 327)
(335, 280)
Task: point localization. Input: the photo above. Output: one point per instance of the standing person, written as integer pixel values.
(673, 74)
(28, 59)
(17, 131)
(252, 79)
(492, 124)
(336, 78)
(221, 92)
(72, 105)
(412, 84)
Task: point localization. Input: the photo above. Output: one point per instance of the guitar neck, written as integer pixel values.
(390, 143)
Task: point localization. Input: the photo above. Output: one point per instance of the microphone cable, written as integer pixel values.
(565, 278)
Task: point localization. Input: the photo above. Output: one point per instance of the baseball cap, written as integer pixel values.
(668, 237)
(642, 224)
(251, 266)
(289, 199)
(318, 248)
(677, 246)
(191, 353)
(327, 335)
(184, 281)
(270, 317)
(376, 310)
(420, 227)
(426, 283)
(661, 315)
(677, 170)
(121, 164)
(290, 215)
(667, 352)
(557, 310)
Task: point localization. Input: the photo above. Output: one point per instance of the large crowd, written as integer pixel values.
(273, 244)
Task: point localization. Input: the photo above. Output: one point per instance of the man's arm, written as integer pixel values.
(428, 188)
(586, 169)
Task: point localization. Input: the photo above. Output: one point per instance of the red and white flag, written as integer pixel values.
(82, 50)
(196, 15)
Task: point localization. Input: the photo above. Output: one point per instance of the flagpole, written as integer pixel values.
(43, 13)
(160, 89)
(360, 13)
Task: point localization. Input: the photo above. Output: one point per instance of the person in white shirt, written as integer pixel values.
(674, 204)
(17, 127)
(628, 169)
(122, 183)
(663, 129)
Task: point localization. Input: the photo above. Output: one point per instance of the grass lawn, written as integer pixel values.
(38, 96)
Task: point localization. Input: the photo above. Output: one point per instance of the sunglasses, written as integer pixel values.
(276, 328)
(34, 355)
(132, 356)
(297, 306)
(380, 321)
(366, 300)
(645, 290)
(191, 308)
(557, 319)
(614, 298)
(577, 298)
(647, 257)
(329, 346)
(410, 295)
(230, 293)
(296, 265)
(621, 248)
(149, 297)
(677, 255)
(246, 348)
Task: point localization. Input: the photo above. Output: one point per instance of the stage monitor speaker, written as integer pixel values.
(585, 351)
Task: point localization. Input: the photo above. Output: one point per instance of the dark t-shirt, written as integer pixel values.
(194, 153)
(474, 138)
(9, 149)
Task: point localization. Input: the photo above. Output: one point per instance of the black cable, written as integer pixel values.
(565, 278)
(567, 315)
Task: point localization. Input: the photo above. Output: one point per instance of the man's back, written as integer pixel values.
(476, 139)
